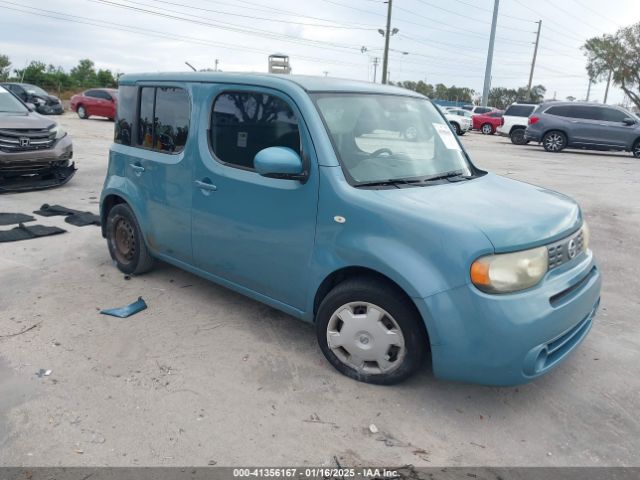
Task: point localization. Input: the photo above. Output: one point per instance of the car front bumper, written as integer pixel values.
(56, 109)
(37, 169)
(511, 339)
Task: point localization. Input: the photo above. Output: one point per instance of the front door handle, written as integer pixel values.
(206, 185)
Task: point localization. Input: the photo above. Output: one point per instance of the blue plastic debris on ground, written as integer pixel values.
(124, 312)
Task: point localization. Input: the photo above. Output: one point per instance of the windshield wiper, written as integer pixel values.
(453, 176)
(394, 182)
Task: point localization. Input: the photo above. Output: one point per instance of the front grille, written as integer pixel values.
(21, 140)
(566, 249)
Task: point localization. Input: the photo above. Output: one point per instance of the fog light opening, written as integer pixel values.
(541, 360)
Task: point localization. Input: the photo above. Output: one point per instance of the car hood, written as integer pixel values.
(512, 215)
(31, 120)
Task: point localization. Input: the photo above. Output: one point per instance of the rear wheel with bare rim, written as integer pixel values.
(487, 129)
(554, 141)
(371, 332)
(125, 241)
(636, 149)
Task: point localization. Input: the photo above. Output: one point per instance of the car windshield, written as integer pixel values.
(386, 138)
(10, 104)
(33, 89)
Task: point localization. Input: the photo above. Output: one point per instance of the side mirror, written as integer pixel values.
(279, 162)
(628, 121)
(30, 106)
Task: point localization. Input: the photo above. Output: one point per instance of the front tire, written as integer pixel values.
(517, 137)
(554, 141)
(82, 112)
(371, 332)
(457, 128)
(487, 129)
(636, 149)
(125, 241)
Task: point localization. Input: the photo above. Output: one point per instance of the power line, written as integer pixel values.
(231, 27)
(424, 2)
(350, 27)
(152, 33)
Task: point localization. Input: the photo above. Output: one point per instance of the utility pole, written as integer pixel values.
(492, 39)
(387, 35)
(535, 53)
(606, 92)
(588, 90)
(215, 69)
(376, 60)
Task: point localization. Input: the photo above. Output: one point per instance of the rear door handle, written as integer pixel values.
(136, 168)
(204, 185)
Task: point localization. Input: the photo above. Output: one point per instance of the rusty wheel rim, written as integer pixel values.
(124, 240)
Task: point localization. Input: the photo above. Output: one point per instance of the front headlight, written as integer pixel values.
(39, 101)
(510, 272)
(586, 236)
(59, 131)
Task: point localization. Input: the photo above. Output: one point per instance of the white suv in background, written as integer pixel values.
(515, 121)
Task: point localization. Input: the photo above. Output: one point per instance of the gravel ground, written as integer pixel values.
(206, 375)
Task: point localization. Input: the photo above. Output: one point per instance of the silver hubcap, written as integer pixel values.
(486, 129)
(554, 142)
(81, 111)
(366, 338)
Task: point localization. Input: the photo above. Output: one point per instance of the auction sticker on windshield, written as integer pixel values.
(446, 135)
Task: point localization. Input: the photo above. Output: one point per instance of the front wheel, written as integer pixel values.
(636, 149)
(554, 141)
(125, 241)
(82, 112)
(517, 137)
(487, 129)
(457, 128)
(371, 332)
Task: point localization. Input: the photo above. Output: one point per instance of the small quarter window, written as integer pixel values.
(125, 115)
(243, 123)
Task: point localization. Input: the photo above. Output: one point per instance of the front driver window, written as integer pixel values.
(243, 123)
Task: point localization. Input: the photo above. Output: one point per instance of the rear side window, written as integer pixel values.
(495, 114)
(520, 110)
(243, 123)
(483, 110)
(125, 115)
(163, 122)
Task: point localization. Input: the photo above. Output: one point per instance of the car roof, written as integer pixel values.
(306, 82)
(577, 104)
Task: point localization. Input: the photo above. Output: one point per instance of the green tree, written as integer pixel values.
(104, 78)
(84, 74)
(620, 55)
(5, 68)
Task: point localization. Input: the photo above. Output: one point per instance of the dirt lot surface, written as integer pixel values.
(207, 375)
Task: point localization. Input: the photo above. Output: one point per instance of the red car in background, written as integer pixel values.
(99, 102)
(487, 123)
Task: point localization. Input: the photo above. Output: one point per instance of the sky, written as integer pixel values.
(438, 41)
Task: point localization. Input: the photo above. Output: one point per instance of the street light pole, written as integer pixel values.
(492, 39)
(387, 35)
(535, 53)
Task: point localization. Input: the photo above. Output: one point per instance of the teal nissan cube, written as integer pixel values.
(353, 206)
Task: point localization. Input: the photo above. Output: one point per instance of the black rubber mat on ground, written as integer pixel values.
(13, 218)
(24, 232)
(74, 217)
